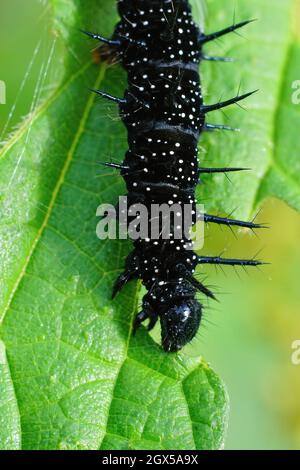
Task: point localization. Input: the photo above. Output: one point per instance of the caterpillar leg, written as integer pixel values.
(145, 314)
(131, 272)
(122, 280)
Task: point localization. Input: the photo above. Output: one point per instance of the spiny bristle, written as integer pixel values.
(221, 170)
(231, 222)
(223, 104)
(98, 37)
(229, 262)
(211, 37)
(221, 127)
(115, 99)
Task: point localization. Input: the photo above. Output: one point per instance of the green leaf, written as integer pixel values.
(10, 435)
(281, 175)
(72, 370)
(266, 59)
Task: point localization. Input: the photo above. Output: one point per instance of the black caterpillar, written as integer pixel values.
(161, 48)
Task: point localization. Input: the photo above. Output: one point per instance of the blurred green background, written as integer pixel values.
(248, 336)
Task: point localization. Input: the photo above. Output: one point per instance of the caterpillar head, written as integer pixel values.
(179, 324)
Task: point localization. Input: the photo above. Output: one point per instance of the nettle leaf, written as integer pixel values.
(10, 431)
(266, 59)
(72, 374)
(281, 176)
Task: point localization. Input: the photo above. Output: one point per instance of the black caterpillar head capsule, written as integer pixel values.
(179, 324)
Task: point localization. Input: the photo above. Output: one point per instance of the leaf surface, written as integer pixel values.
(73, 372)
(266, 59)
